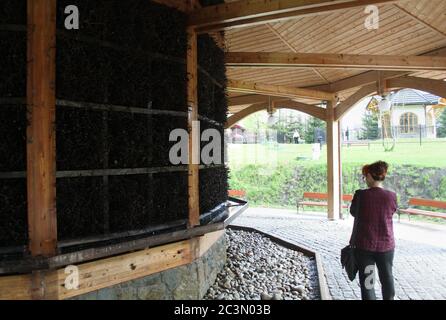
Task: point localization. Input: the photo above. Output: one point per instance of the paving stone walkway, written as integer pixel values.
(420, 256)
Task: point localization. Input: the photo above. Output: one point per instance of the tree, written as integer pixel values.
(287, 128)
(255, 123)
(314, 126)
(441, 133)
(370, 128)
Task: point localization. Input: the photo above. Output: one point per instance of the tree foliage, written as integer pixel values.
(314, 126)
(370, 128)
(287, 129)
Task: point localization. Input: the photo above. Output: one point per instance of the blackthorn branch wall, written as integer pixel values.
(120, 89)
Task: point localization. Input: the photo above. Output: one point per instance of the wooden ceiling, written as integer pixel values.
(407, 27)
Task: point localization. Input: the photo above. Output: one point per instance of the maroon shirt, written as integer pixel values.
(375, 228)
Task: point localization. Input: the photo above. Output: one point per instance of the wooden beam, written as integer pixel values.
(232, 120)
(208, 240)
(437, 87)
(333, 163)
(112, 271)
(346, 105)
(357, 81)
(341, 188)
(41, 136)
(192, 101)
(292, 48)
(107, 272)
(246, 99)
(334, 61)
(245, 13)
(369, 77)
(276, 91)
(313, 111)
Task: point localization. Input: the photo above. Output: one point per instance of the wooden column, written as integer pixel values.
(341, 180)
(41, 104)
(333, 163)
(194, 152)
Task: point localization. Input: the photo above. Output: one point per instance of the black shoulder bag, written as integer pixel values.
(348, 260)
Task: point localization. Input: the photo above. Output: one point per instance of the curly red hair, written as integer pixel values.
(377, 170)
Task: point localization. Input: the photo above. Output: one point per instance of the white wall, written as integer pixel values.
(398, 111)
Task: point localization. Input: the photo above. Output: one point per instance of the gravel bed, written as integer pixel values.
(259, 269)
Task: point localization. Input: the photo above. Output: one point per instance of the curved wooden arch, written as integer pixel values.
(437, 87)
(347, 104)
(314, 111)
(232, 120)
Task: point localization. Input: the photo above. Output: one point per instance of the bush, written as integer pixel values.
(285, 184)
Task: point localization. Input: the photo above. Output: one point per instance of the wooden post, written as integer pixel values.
(41, 142)
(341, 181)
(333, 163)
(194, 145)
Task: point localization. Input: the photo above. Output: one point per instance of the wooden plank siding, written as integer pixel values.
(107, 272)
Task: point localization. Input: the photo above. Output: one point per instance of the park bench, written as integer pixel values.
(321, 200)
(357, 144)
(417, 202)
(237, 193)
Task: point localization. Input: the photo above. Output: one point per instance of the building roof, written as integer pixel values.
(414, 97)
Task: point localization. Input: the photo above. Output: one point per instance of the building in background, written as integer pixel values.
(413, 112)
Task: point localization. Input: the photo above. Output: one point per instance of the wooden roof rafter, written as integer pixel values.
(277, 91)
(289, 45)
(253, 12)
(336, 61)
(419, 20)
(247, 99)
(372, 76)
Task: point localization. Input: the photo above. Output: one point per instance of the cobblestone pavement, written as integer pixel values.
(420, 256)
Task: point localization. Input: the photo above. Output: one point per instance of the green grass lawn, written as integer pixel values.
(430, 154)
(276, 188)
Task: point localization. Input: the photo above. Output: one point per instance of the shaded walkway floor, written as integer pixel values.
(420, 256)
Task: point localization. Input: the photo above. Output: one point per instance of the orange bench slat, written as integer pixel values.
(427, 203)
(317, 204)
(237, 193)
(313, 203)
(324, 196)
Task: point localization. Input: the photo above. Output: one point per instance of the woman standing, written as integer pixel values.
(375, 243)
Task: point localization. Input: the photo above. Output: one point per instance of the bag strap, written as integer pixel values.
(356, 221)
